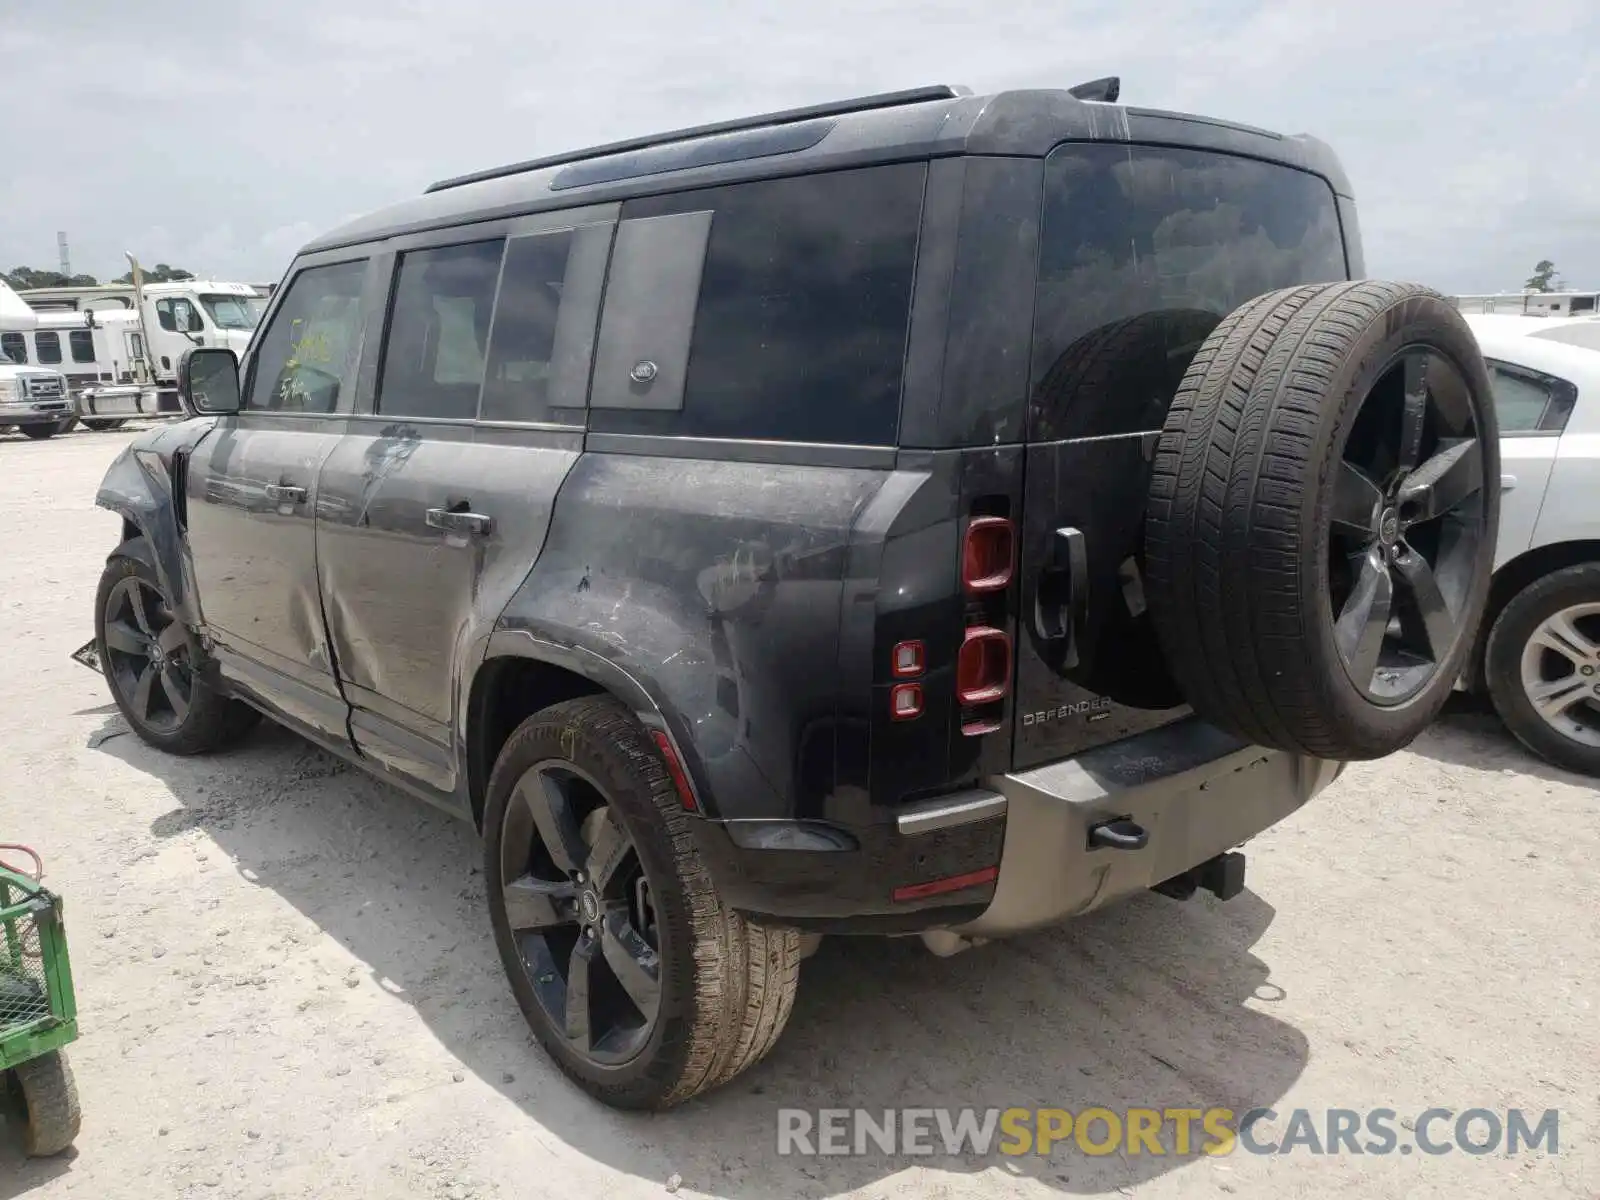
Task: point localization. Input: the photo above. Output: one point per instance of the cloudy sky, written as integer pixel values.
(220, 136)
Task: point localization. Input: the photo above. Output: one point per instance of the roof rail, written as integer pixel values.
(920, 95)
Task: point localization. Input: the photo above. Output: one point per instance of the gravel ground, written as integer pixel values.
(287, 985)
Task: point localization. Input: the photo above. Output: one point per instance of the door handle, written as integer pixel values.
(456, 519)
(1508, 483)
(286, 493)
(1061, 593)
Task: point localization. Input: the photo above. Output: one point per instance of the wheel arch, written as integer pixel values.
(139, 488)
(522, 673)
(1519, 573)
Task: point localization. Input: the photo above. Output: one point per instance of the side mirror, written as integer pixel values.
(208, 381)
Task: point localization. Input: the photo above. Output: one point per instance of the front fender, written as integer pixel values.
(138, 487)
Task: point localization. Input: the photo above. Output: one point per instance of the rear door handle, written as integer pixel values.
(286, 493)
(1061, 593)
(456, 519)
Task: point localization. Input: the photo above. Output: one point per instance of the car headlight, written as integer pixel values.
(10, 391)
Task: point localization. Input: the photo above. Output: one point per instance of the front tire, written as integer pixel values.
(103, 424)
(636, 978)
(1542, 665)
(150, 661)
(39, 432)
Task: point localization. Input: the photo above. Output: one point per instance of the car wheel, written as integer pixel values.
(103, 424)
(1542, 664)
(39, 432)
(151, 661)
(1319, 534)
(50, 1104)
(636, 978)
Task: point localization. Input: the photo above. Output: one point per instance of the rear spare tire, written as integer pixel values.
(1322, 517)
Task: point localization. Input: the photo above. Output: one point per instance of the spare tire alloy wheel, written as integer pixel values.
(1407, 526)
(1322, 515)
(579, 908)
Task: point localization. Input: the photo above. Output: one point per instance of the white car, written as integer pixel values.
(1539, 655)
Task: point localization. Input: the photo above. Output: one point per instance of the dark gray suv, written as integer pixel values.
(928, 514)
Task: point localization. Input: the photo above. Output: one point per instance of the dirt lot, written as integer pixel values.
(288, 987)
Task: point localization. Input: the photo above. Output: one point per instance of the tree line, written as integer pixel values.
(21, 278)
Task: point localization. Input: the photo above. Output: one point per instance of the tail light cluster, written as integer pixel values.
(983, 660)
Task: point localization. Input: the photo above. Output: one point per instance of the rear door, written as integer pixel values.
(435, 505)
(1143, 250)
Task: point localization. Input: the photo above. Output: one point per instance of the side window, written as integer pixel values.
(14, 346)
(81, 343)
(522, 345)
(1528, 401)
(178, 315)
(436, 347)
(48, 346)
(307, 351)
(800, 311)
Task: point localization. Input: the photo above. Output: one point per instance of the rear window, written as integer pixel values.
(1529, 401)
(1143, 251)
(49, 347)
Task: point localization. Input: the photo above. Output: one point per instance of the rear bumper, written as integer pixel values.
(1195, 791)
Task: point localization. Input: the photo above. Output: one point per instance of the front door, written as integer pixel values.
(252, 493)
(433, 508)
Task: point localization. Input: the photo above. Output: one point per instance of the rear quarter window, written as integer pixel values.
(1528, 401)
(1143, 251)
(801, 312)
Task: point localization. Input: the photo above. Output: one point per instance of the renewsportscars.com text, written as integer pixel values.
(1175, 1132)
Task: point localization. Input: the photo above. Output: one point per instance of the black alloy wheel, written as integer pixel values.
(148, 653)
(580, 911)
(1409, 527)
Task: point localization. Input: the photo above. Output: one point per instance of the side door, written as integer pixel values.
(252, 493)
(1533, 407)
(434, 506)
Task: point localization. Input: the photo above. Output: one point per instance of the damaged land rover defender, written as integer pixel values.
(926, 514)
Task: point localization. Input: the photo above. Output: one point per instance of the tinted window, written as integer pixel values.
(1528, 401)
(48, 346)
(312, 342)
(433, 357)
(13, 346)
(522, 345)
(803, 304)
(178, 316)
(1143, 251)
(81, 343)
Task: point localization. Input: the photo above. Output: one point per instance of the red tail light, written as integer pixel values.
(983, 666)
(986, 554)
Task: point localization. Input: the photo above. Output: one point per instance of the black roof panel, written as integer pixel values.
(895, 127)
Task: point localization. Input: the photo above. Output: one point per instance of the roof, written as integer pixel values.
(923, 123)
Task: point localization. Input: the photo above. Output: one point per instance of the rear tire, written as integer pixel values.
(726, 985)
(199, 719)
(1513, 659)
(50, 1104)
(1319, 532)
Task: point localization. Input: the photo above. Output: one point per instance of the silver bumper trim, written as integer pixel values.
(943, 812)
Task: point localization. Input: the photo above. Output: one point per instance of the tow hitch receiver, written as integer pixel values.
(1222, 876)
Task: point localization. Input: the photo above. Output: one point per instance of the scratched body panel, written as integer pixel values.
(717, 585)
(408, 605)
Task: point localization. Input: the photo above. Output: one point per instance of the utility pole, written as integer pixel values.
(66, 259)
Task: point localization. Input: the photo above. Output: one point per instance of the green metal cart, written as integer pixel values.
(38, 1012)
